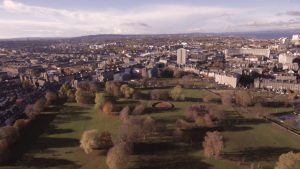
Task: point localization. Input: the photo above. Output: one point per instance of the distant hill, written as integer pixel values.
(273, 34)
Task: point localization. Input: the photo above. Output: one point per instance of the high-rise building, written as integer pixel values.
(181, 56)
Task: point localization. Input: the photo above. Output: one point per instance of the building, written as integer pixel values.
(181, 56)
(286, 58)
(296, 39)
(226, 79)
(247, 51)
(276, 85)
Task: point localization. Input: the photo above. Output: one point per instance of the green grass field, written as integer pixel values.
(246, 139)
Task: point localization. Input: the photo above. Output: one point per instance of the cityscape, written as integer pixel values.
(150, 84)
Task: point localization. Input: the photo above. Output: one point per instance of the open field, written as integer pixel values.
(247, 139)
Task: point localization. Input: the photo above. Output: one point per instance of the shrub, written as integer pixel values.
(213, 144)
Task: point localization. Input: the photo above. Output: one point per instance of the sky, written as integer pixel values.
(70, 18)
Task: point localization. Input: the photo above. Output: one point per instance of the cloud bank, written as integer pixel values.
(20, 20)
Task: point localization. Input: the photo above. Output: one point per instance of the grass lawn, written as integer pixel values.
(58, 146)
(246, 139)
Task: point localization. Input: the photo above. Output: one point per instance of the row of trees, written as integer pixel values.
(9, 135)
(202, 117)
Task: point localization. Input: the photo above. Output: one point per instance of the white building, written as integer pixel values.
(286, 58)
(296, 39)
(181, 56)
(247, 51)
(228, 80)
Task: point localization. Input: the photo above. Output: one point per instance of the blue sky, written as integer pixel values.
(66, 18)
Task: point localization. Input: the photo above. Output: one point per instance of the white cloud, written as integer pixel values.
(28, 20)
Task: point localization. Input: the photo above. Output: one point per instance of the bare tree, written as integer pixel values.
(90, 140)
(213, 144)
(193, 112)
(226, 99)
(124, 114)
(139, 109)
(243, 98)
(107, 107)
(289, 160)
(176, 93)
(117, 156)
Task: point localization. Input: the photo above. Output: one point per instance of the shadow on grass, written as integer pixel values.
(45, 143)
(30, 135)
(170, 161)
(258, 154)
(39, 163)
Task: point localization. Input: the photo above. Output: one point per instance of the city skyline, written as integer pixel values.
(65, 18)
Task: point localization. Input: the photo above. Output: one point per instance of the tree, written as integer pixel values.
(113, 88)
(124, 114)
(10, 134)
(92, 139)
(157, 94)
(4, 151)
(63, 91)
(195, 111)
(50, 97)
(243, 98)
(84, 96)
(136, 127)
(226, 99)
(178, 73)
(289, 160)
(39, 105)
(213, 144)
(107, 107)
(71, 95)
(183, 125)
(21, 123)
(176, 93)
(178, 134)
(118, 155)
(207, 98)
(99, 100)
(139, 109)
(126, 91)
(34, 110)
(105, 140)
